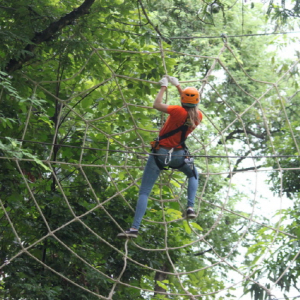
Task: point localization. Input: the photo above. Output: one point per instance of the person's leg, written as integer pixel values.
(192, 183)
(192, 188)
(150, 175)
(177, 160)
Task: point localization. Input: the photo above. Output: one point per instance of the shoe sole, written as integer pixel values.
(123, 235)
(191, 216)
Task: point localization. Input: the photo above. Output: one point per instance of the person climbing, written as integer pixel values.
(169, 150)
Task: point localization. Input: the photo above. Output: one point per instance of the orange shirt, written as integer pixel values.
(176, 118)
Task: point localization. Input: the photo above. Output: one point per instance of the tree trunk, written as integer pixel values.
(159, 276)
(47, 34)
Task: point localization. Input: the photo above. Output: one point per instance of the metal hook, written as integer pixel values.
(168, 157)
(224, 38)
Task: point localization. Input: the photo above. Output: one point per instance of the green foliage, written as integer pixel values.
(13, 150)
(68, 121)
(283, 12)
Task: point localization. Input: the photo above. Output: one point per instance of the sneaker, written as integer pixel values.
(190, 213)
(128, 234)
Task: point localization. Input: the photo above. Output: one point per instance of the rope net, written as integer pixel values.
(88, 191)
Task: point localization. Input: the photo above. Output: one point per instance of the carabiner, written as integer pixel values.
(169, 156)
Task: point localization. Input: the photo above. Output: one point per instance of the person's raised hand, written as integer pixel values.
(173, 80)
(164, 81)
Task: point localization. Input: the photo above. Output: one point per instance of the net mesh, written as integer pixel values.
(105, 139)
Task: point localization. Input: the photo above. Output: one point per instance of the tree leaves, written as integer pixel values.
(83, 102)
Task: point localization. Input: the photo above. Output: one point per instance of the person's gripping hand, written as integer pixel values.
(173, 80)
(164, 82)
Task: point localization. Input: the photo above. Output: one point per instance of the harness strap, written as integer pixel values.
(162, 167)
(183, 128)
(172, 132)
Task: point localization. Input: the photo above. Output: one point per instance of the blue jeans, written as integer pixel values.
(151, 173)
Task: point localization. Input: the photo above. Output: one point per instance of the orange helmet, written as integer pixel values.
(190, 97)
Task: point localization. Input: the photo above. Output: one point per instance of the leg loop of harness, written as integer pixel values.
(158, 163)
(189, 160)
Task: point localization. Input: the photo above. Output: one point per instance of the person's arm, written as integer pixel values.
(176, 83)
(158, 100)
(179, 90)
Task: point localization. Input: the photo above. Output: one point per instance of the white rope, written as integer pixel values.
(199, 240)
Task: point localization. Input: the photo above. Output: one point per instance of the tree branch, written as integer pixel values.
(117, 20)
(235, 169)
(243, 170)
(47, 34)
(155, 27)
(8, 8)
(248, 131)
(290, 98)
(203, 252)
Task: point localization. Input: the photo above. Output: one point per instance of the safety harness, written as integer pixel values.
(188, 159)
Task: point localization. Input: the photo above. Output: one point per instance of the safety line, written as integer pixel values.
(232, 36)
(135, 152)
